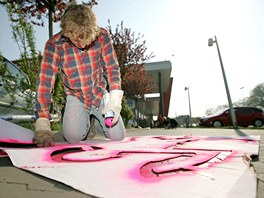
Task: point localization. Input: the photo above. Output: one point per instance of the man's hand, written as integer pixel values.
(43, 135)
(114, 104)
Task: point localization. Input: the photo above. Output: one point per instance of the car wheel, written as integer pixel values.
(258, 123)
(217, 124)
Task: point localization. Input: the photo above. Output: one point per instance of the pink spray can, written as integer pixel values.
(109, 116)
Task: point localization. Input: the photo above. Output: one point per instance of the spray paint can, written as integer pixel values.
(109, 116)
(116, 131)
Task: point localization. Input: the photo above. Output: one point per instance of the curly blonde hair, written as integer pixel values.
(79, 23)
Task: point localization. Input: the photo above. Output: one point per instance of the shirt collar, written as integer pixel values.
(66, 39)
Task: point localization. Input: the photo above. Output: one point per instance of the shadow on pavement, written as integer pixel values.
(239, 132)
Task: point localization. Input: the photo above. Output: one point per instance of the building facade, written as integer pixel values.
(148, 108)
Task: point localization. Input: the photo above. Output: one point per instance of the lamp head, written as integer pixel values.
(210, 42)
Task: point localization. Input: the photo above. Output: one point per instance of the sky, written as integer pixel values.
(178, 31)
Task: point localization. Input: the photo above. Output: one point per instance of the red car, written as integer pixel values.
(245, 116)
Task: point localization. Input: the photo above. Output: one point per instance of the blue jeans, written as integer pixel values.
(76, 122)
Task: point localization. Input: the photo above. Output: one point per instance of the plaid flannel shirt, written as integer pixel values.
(82, 71)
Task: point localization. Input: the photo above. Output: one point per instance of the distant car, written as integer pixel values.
(14, 107)
(245, 117)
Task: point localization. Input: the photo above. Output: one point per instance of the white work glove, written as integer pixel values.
(114, 104)
(43, 135)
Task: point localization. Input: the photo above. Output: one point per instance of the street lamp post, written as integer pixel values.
(242, 88)
(232, 112)
(190, 111)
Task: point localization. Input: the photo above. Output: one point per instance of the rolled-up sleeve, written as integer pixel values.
(46, 79)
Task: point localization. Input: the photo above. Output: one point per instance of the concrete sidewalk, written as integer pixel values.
(18, 183)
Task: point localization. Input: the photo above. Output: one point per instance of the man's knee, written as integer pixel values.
(73, 137)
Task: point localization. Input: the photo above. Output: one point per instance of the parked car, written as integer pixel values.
(14, 106)
(245, 116)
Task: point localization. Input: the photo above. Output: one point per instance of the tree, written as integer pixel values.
(22, 33)
(131, 58)
(126, 113)
(137, 82)
(35, 10)
(256, 98)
